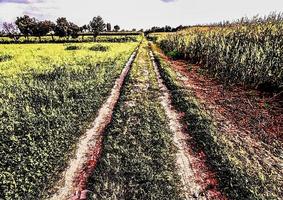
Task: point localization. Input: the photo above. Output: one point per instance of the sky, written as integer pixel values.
(138, 14)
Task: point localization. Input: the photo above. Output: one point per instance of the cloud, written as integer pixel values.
(168, 1)
(21, 1)
(131, 14)
(15, 1)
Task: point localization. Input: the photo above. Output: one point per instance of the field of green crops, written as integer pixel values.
(48, 95)
(89, 118)
(87, 38)
(247, 53)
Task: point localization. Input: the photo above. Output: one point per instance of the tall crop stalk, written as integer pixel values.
(249, 52)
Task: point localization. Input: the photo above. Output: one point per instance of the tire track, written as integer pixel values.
(195, 175)
(89, 147)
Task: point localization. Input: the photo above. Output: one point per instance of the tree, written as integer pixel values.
(83, 29)
(134, 30)
(73, 30)
(108, 27)
(2, 33)
(97, 25)
(116, 28)
(42, 28)
(51, 26)
(167, 29)
(62, 26)
(26, 25)
(10, 29)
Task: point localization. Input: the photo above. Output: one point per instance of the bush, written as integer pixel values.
(72, 47)
(5, 57)
(175, 54)
(99, 48)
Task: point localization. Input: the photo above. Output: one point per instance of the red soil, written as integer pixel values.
(252, 111)
(206, 177)
(87, 170)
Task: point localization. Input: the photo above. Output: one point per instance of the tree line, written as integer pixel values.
(30, 26)
(156, 29)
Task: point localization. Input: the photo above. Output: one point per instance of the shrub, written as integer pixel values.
(99, 48)
(72, 47)
(5, 57)
(175, 54)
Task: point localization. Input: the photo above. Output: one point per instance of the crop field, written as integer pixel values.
(250, 53)
(48, 94)
(187, 113)
(79, 39)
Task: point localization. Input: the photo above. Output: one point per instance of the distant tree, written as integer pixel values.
(62, 26)
(134, 30)
(108, 27)
(73, 30)
(83, 29)
(167, 29)
(10, 30)
(116, 28)
(41, 28)
(26, 25)
(88, 28)
(97, 25)
(178, 28)
(52, 27)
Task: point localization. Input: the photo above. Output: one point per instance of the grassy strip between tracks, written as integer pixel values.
(235, 181)
(138, 159)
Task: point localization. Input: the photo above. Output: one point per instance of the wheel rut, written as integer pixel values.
(198, 181)
(72, 185)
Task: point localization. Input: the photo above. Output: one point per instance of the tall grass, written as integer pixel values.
(248, 52)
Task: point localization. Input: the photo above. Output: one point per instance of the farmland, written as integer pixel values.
(48, 94)
(248, 53)
(195, 113)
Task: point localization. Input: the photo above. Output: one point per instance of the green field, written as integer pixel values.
(195, 113)
(247, 54)
(123, 37)
(48, 95)
(46, 57)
